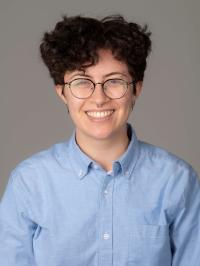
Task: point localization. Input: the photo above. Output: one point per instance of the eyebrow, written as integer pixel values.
(116, 73)
(79, 73)
(82, 73)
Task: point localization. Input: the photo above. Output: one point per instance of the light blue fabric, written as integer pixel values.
(62, 209)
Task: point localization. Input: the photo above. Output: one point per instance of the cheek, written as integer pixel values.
(75, 108)
(126, 103)
(73, 103)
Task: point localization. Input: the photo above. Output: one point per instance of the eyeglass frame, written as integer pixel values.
(102, 85)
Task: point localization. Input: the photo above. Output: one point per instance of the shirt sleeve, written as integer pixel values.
(16, 228)
(186, 225)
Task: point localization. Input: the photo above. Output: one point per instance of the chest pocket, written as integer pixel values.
(149, 245)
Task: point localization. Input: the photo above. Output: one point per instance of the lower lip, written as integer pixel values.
(100, 119)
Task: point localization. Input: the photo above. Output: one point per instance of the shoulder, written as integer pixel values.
(161, 156)
(166, 165)
(174, 178)
(41, 163)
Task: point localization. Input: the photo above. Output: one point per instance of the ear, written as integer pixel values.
(138, 88)
(59, 92)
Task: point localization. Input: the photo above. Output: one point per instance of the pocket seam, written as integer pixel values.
(150, 231)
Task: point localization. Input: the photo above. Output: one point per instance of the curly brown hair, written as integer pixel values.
(75, 42)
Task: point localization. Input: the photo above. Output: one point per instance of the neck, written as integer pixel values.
(104, 151)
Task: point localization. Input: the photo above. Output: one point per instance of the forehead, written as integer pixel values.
(106, 65)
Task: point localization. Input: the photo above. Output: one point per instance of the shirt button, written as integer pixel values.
(127, 173)
(106, 236)
(106, 192)
(80, 173)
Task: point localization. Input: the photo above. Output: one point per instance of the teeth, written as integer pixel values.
(100, 114)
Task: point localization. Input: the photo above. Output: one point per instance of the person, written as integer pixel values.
(103, 197)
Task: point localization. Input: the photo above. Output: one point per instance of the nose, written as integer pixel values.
(98, 95)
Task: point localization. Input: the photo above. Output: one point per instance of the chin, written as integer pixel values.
(102, 134)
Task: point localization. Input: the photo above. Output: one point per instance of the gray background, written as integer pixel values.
(167, 113)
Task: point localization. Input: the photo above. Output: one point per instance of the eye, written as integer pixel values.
(81, 83)
(114, 82)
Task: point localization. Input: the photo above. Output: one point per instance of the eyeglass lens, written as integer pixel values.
(113, 88)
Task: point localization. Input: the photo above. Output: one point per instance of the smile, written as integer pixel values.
(100, 114)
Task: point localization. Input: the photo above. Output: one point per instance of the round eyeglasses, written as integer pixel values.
(83, 88)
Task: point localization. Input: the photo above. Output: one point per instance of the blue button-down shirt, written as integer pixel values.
(61, 208)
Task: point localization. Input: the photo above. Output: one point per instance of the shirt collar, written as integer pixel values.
(69, 154)
(128, 160)
(81, 162)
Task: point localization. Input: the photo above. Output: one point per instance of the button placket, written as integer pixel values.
(106, 221)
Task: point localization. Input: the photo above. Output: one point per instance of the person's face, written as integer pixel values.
(99, 117)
